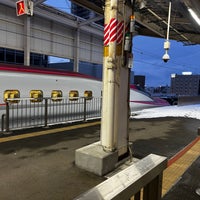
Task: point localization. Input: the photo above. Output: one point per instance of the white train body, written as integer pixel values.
(27, 79)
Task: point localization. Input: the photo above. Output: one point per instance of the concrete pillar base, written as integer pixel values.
(94, 159)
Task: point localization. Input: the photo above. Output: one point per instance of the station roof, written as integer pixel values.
(152, 16)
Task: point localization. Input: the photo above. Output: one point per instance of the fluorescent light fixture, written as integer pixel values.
(194, 15)
(142, 4)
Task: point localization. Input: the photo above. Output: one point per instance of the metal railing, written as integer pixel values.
(141, 180)
(29, 112)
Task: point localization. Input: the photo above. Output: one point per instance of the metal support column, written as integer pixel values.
(102, 157)
(114, 130)
(76, 51)
(27, 31)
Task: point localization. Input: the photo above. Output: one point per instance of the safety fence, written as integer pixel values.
(29, 112)
(140, 181)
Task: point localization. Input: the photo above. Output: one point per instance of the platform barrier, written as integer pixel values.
(30, 112)
(146, 175)
(188, 100)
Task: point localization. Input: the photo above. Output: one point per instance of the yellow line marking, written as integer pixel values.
(49, 131)
(173, 173)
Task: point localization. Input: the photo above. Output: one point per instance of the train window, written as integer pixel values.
(56, 95)
(11, 95)
(73, 95)
(88, 94)
(36, 96)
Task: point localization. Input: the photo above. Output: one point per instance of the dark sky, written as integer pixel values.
(148, 52)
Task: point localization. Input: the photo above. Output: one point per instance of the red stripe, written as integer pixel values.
(25, 69)
(106, 34)
(144, 102)
(162, 103)
(113, 30)
(106, 27)
(182, 152)
(120, 28)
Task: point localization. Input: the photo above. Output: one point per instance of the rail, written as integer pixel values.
(29, 112)
(146, 175)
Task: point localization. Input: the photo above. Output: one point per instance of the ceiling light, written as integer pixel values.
(194, 15)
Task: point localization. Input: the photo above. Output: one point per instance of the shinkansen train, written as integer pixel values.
(17, 82)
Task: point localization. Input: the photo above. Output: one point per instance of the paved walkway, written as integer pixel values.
(177, 166)
(43, 167)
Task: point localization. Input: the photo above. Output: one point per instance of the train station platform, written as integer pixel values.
(39, 163)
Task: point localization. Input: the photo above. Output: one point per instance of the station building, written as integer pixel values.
(50, 32)
(32, 40)
(139, 80)
(185, 84)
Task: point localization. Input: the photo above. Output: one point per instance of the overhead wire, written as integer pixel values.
(150, 54)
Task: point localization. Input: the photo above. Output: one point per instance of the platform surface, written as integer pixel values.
(40, 164)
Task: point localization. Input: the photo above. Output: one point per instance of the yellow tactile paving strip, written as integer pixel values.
(176, 168)
(48, 131)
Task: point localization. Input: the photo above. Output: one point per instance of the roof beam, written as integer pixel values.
(88, 21)
(66, 19)
(90, 6)
(151, 26)
(36, 2)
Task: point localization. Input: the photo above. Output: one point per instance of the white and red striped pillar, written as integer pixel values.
(114, 129)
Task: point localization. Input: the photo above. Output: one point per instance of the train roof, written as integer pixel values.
(39, 70)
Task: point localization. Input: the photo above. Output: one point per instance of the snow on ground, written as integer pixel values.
(188, 111)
